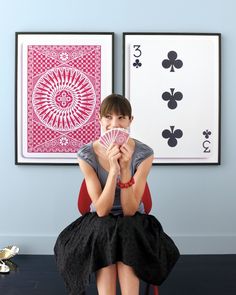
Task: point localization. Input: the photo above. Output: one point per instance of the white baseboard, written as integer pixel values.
(187, 244)
(30, 244)
(206, 244)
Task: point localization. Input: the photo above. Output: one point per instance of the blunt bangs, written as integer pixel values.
(116, 104)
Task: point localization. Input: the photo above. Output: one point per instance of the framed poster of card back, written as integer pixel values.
(60, 81)
(173, 83)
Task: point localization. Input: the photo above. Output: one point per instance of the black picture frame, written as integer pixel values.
(60, 59)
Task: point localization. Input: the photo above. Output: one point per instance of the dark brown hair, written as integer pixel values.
(116, 103)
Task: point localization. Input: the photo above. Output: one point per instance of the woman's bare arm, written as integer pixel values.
(132, 196)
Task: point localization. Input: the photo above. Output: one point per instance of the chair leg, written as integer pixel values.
(155, 290)
(147, 289)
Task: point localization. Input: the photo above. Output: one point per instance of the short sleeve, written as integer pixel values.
(86, 153)
(142, 152)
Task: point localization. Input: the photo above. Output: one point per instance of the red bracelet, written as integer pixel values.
(125, 185)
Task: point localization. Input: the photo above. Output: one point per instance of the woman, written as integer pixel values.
(116, 238)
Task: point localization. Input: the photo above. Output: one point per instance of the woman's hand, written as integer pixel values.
(126, 156)
(113, 153)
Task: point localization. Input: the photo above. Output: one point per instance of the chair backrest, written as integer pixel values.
(84, 200)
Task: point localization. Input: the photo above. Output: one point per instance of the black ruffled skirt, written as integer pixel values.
(92, 242)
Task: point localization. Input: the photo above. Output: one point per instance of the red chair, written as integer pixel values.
(84, 203)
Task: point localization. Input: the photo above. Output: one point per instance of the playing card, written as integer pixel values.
(103, 142)
(60, 119)
(117, 135)
(121, 136)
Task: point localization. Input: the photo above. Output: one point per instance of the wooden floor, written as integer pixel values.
(193, 275)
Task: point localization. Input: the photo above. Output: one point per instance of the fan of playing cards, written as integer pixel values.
(116, 135)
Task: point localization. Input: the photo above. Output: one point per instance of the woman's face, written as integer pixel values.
(111, 121)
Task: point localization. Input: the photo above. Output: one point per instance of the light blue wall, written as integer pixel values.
(196, 204)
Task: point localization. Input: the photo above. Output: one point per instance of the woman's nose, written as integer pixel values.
(114, 123)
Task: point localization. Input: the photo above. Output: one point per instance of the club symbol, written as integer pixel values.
(206, 133)
(172, 98)
(172, 62)
(137, 63)
(172, 135)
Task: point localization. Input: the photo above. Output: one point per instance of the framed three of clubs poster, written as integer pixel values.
(60, 81)
(173, 83)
